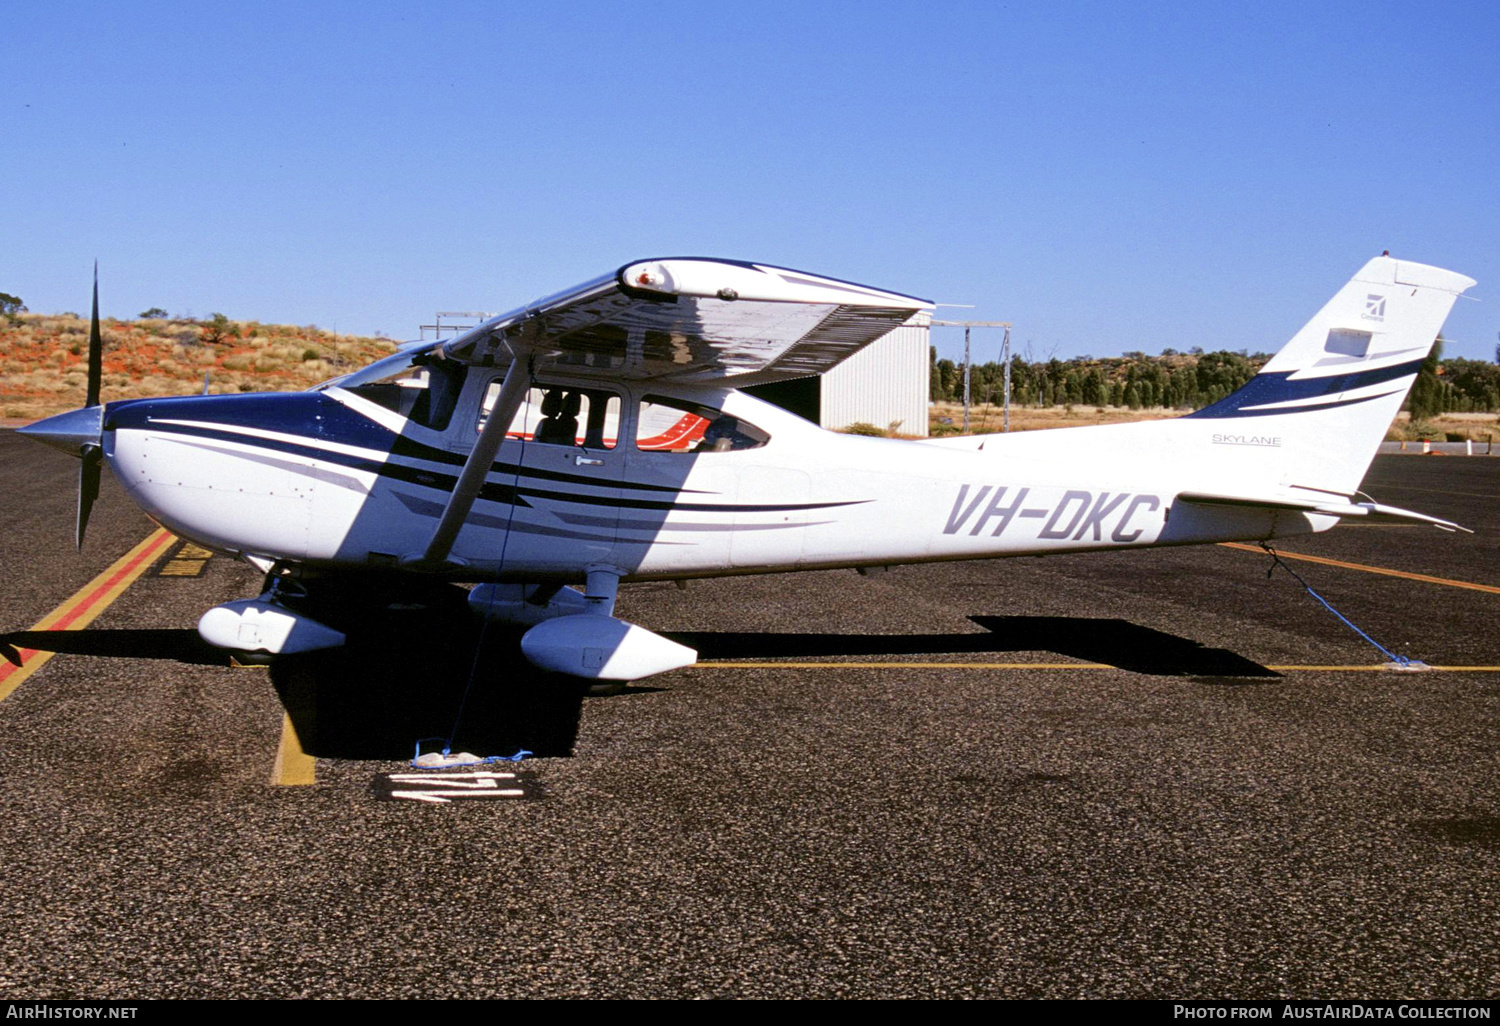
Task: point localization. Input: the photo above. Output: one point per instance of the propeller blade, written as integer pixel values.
(96, 348)
(88, 486)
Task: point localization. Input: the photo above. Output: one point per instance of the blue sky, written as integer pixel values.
(1107, 179)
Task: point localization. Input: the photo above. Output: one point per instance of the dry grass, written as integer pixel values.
(44, 357)
(44, 360)
(1453, 427)
(985, 418)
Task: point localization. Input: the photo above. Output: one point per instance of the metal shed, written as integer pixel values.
(885, 384)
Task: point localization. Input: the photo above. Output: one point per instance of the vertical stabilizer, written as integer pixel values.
(1331, 392)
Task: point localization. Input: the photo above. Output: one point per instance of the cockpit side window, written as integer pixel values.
(423, 388)
(679, 426)
(561, 415)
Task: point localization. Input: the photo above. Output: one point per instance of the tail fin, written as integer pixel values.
(1332, 391)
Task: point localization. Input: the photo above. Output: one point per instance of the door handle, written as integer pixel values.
(587, 461)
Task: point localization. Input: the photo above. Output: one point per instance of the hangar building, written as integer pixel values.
(886, 383)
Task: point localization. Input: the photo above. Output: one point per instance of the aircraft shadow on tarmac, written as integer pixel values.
(1118, 643)
(375, 699)
(406, 675)
(178, 644)
(403, 676)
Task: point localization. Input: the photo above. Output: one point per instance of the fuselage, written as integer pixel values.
(598, 436)
(657, 481)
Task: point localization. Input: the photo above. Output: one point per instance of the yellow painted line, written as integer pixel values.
(86, 604)
(294, 767)
(741, 664)
(1299, 668)
(1325, 561)
(188, 561)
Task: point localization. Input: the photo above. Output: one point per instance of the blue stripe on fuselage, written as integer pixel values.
(315, 416)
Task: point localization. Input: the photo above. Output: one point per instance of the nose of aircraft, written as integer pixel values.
(68, 432)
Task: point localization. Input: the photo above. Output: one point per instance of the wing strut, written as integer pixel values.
(471, 479)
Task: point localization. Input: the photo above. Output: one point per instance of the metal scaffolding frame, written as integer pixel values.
(1005, 359)
(438, 327)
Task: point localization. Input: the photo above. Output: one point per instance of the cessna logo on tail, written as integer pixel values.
(1374, 308)
(1078, 515)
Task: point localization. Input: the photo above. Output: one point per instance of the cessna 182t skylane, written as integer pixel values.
(600, 436)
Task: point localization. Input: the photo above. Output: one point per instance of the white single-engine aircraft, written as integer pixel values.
(600, 436)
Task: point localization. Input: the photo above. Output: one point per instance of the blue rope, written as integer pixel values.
(1399, 660)
(521, 753)
(484, 628)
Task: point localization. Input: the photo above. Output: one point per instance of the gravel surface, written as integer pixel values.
(1196, 826)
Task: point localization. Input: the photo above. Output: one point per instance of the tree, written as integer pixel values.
(156, 313)
(11, 306)
(1427, 393)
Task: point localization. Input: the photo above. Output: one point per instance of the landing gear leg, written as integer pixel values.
(601, 589)
(600, 592)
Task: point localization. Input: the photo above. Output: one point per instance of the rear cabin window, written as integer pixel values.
(561, 415)
(678, 426)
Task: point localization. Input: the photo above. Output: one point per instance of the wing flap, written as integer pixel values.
(691, 319)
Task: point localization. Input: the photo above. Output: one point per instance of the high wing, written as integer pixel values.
(692, 319)
(682, 318)
(1329, 504)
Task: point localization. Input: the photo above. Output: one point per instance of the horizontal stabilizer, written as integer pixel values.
(1333, 506)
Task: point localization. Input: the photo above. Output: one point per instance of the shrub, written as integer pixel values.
(218, 329)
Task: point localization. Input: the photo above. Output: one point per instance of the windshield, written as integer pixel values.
(379, 370)
(418, 384)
